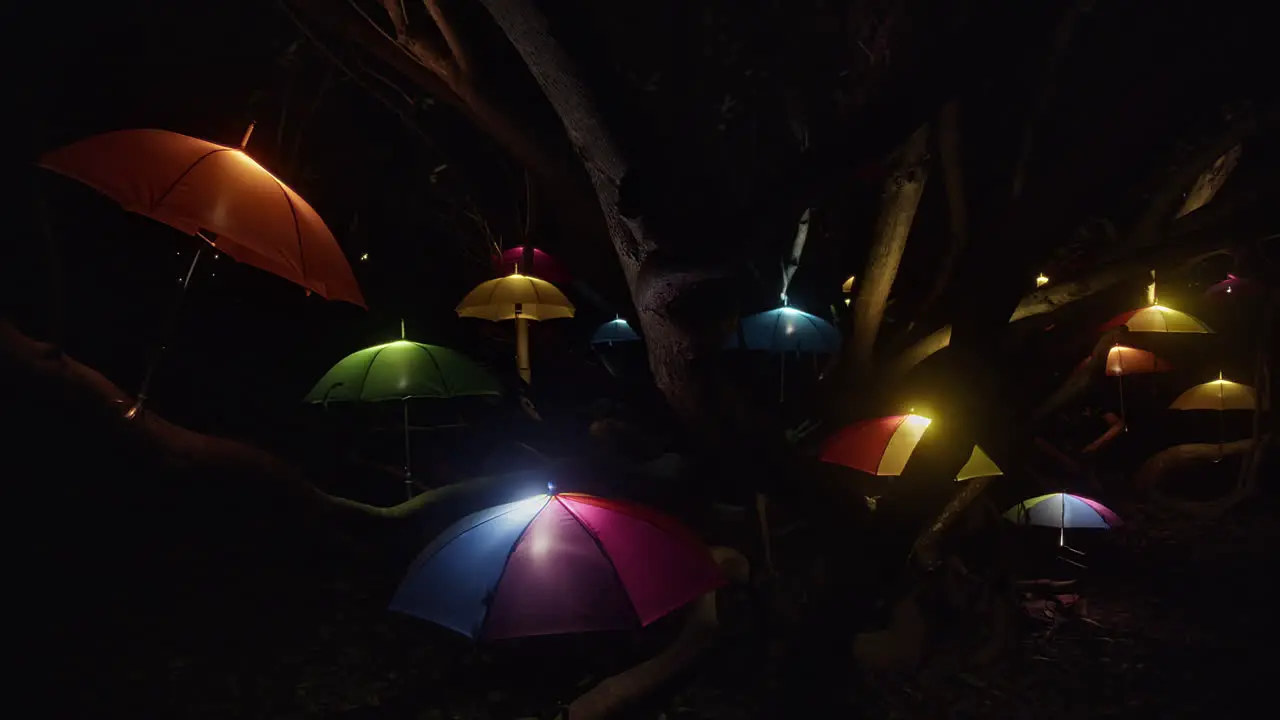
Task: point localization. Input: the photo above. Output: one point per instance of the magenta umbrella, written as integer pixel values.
(552, 564)
(544, 266)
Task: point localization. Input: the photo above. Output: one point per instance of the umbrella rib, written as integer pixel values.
(297, 230)
(484, 621)
(605, 554)
(448, 391)
(368, 369)
(165, 195)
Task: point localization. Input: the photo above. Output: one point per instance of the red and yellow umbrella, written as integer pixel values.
(1125, 360)
(882, 446)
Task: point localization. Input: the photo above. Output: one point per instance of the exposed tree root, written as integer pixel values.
(614, 695)
(1181, 457)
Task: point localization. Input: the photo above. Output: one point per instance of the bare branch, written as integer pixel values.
(797, 249)
(461, 61)
(1210, 181)
(901, 198)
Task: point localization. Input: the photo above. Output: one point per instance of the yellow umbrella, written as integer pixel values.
(1158, 318)
(521, 298)
(882, 446)
(1217, 395)
(847, 286)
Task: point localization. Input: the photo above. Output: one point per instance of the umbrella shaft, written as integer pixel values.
(522, 350)
(174, 312)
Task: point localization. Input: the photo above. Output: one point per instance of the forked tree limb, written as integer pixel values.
(1210, 182)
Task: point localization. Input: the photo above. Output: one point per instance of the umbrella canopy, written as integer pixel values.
(196, 186)
(1157, 318)
(556, 564)
(1231, 285)
(1217, 395)
(1125, 360)
(1063, 511)
(881, 446)
(544, 266)
(400, 370)
(847, 286)
(787, 329)
(515, 296)
(618, 330)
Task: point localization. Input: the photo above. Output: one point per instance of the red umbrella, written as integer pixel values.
(544, 266)
(217, 193)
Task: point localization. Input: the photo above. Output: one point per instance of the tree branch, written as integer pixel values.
(461, 60)
(1210, 182)
(901, 197)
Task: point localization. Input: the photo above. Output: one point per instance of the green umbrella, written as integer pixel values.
(402, 370)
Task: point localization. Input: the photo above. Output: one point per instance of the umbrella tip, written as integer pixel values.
(247, 134)
(401, 328)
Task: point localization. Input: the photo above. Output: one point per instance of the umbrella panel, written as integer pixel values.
(1217, 395)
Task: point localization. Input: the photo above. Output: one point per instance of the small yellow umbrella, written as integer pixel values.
(1218, 395)
(882, 446)
(521, 298)
(1158, 318)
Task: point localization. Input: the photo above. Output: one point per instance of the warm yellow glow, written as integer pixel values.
(847, 286)
(1041, 280)
(364, 257)
(1218, 395)
(904, 441)
(847, 301)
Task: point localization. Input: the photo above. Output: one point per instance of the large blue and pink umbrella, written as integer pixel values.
(552, 564)
(1063, 511)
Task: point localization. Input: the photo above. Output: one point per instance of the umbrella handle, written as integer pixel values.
(157, 353)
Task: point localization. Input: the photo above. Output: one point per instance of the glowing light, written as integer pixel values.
(551, 488)
(364, 257)
(847, 301)
(919, 421)
(1228, 288)
(789, 310)
(847, 286)
(1041, 280)
(791, 329)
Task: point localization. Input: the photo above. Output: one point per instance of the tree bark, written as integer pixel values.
(901, 198)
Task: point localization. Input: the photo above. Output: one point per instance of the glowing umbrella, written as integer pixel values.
(783, 330)
(1231, 285)
(521, 298)
(219, 194)
(614, 331)
(403, 370)
(1220, 395)
(1157, 318)
(881, 446)
(1063, 511)
(541, 264)
(558, 563)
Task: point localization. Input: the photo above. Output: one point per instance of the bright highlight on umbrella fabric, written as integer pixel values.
(847, 286)
(197, 187)
(882, 446)
(1217, 395)
(1157, 318)
(614, 331)
(1124, 360)
(515, 296)
(787, 329)
(400, 370)
(556, 564)
(1063, 511)
(1041, 280)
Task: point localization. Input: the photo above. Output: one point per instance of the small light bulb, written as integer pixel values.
(364, 257)
(1041, 280)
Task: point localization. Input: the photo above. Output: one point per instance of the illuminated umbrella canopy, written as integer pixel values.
(1217, 395)
(787, 329)
(401, 370)
(1125, 360)
(614, 331)
(1231, 285)
(882, 446)
(199, 187)
(1063, 511)
(1157, 318)
(543, 265)
(515, 296)
(847, 286)
(552, 564)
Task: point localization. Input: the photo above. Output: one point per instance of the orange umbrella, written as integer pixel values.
(1124, 360)
(217, 193)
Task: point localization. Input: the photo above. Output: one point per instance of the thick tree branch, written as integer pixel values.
(1210, 182)
(901, 197)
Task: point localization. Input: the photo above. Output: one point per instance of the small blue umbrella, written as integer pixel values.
(787, 329)
(614, 331)
(783, 330)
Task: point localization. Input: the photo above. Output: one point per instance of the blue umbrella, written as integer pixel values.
(614, 331)
(783, 330)
(787, 329)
